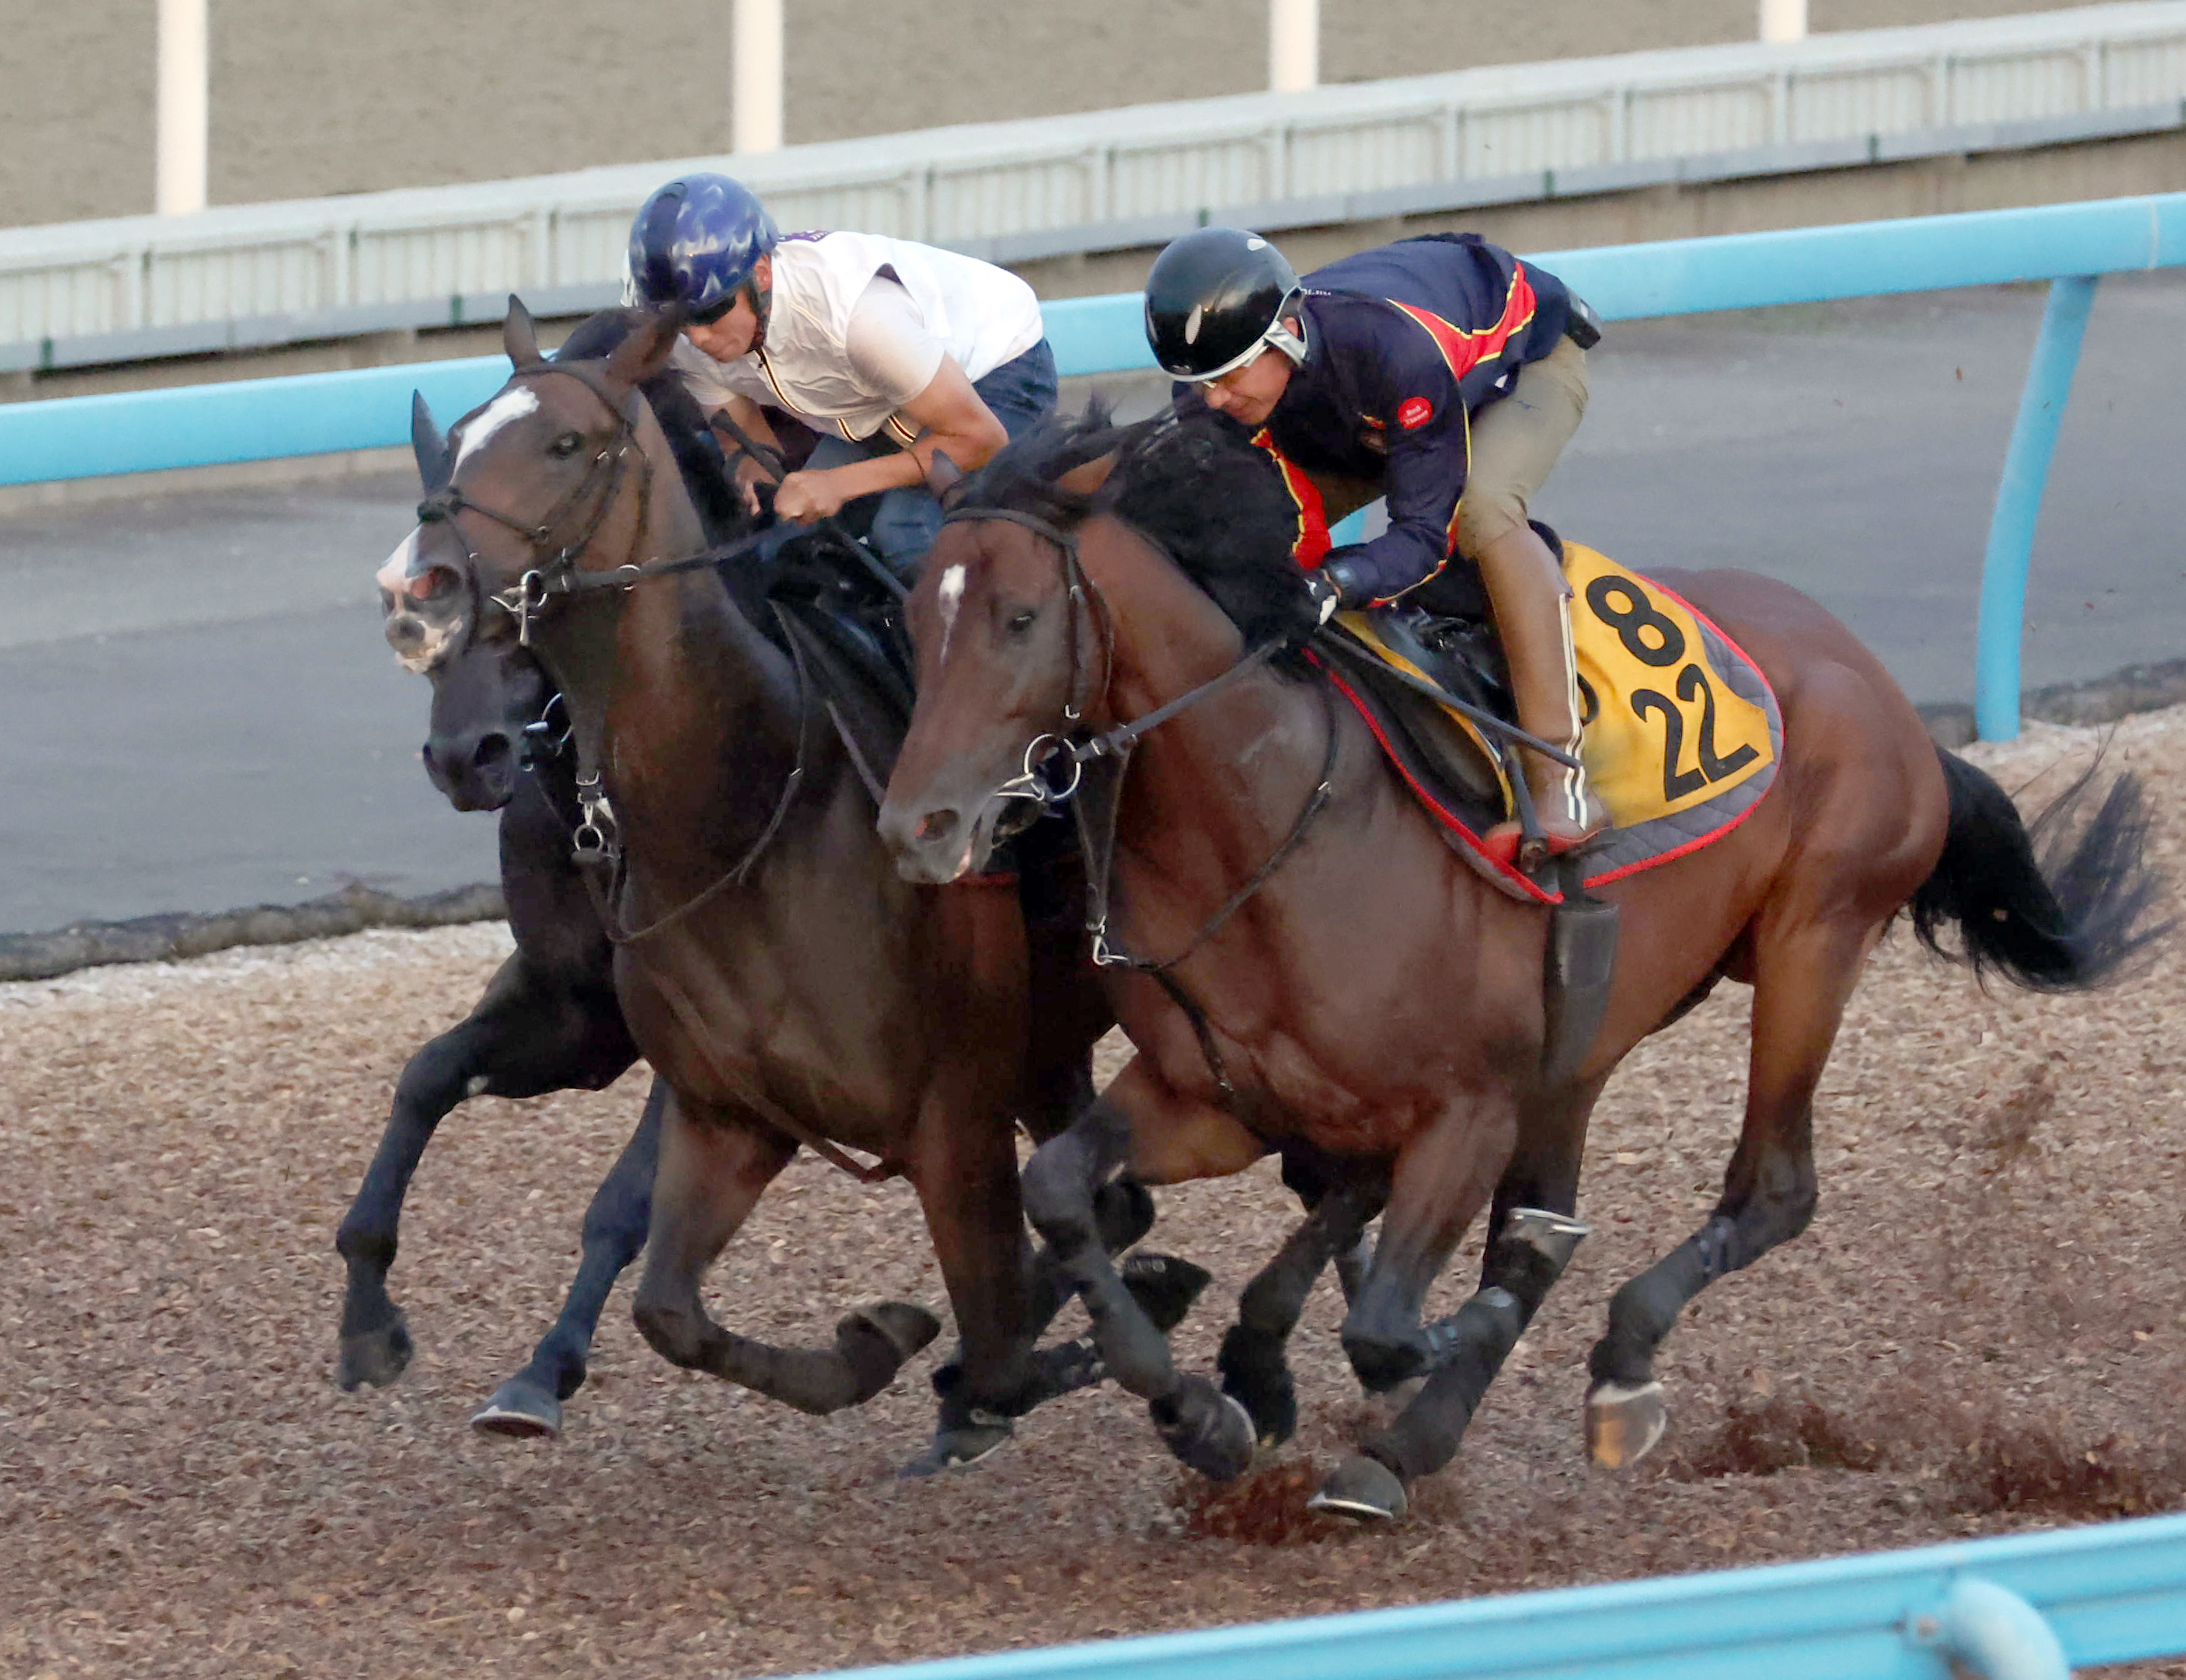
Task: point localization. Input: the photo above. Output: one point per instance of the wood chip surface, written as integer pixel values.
(1983, 1332)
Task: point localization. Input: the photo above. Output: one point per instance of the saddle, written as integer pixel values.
(828, 609)
(1681, 735)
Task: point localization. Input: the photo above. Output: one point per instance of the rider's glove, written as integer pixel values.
(1338, 582)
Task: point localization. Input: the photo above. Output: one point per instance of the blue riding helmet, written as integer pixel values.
(696, 243)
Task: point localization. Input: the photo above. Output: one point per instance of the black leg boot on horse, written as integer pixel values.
(1532, 603)
(1532, 1233)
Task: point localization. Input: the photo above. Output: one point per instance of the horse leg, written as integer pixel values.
(1801, 982)
(529, 1403)
(527, 1035)
(1204, 1428)
(1254, 1371)
(1443, 1177)
(1532, 1233)
(966, 1172)
(713, 1169)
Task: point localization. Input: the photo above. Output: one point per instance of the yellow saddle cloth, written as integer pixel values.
(1681, 735)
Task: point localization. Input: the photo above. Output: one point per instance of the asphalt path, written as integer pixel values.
(201, 715)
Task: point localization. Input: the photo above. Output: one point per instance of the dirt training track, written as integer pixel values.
(1984, 1331)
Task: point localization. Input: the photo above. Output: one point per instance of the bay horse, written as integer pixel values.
(1343, 981)
(549, 1019)
(789, 988)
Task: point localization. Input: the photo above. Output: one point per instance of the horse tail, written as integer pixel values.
(2072, 917)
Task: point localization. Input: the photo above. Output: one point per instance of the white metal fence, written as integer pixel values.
(266, 273)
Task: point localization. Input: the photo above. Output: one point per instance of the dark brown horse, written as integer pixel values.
(1374, 999)
(789, 988)
(549, 1019)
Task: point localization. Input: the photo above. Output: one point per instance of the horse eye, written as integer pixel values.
(566, 445)
(1021, 623)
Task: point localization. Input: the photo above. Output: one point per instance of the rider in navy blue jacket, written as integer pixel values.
(1442, 372)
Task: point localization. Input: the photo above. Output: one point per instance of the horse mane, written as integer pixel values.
(1189, 480)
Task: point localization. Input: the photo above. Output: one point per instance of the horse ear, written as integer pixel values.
(428, 444)
(943, 476)
(519, 336)
(645, 351)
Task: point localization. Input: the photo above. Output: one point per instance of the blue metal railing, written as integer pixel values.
(2067, 244)
(2020, 1608)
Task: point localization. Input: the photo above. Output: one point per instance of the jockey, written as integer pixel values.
(1441, 372)
(890, 351)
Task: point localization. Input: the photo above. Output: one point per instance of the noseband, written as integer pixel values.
(557, 573)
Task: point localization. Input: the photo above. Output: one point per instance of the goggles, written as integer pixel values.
(1278, 335)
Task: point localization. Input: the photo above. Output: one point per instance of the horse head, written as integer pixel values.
(1009, 647)
(535, 478)
(520, 475)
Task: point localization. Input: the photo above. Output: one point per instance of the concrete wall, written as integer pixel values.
(311, 97)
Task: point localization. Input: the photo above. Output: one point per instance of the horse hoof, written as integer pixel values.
(960, 1448)
(520, 1410)
(1623, 1423)
(907, 1328)
(377, 1357)
(1361, 1488)
(1164, 1286)
(1207, 1430)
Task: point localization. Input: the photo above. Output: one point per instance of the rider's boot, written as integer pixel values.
(1532, 603)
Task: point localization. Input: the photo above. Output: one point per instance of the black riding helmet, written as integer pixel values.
(1213, 298)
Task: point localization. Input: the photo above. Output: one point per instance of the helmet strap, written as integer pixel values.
(1292, 345)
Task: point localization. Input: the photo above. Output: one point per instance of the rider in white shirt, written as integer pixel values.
(891, 351)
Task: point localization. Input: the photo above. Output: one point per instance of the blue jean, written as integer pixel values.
(905, 522)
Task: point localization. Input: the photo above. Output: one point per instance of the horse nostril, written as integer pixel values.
(425, 754)
(936, 825)
(492, 751)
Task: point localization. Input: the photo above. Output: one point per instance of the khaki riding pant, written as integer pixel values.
(1515, 444)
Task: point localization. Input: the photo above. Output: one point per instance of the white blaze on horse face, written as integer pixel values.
(510, 405)
(952, 598)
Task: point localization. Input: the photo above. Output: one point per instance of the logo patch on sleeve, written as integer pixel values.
(1415, 412)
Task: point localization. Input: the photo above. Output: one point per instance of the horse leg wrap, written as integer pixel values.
(1254, 1371)
(1642, 1313)
(1528, 1255)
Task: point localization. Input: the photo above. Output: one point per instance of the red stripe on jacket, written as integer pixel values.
(1312, 544)
(1465, 351)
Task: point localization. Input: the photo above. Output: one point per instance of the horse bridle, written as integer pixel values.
(1096, 819)
(559, 575)
(597, 839)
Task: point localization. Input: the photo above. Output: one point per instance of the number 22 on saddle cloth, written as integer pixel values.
(1682, 734)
